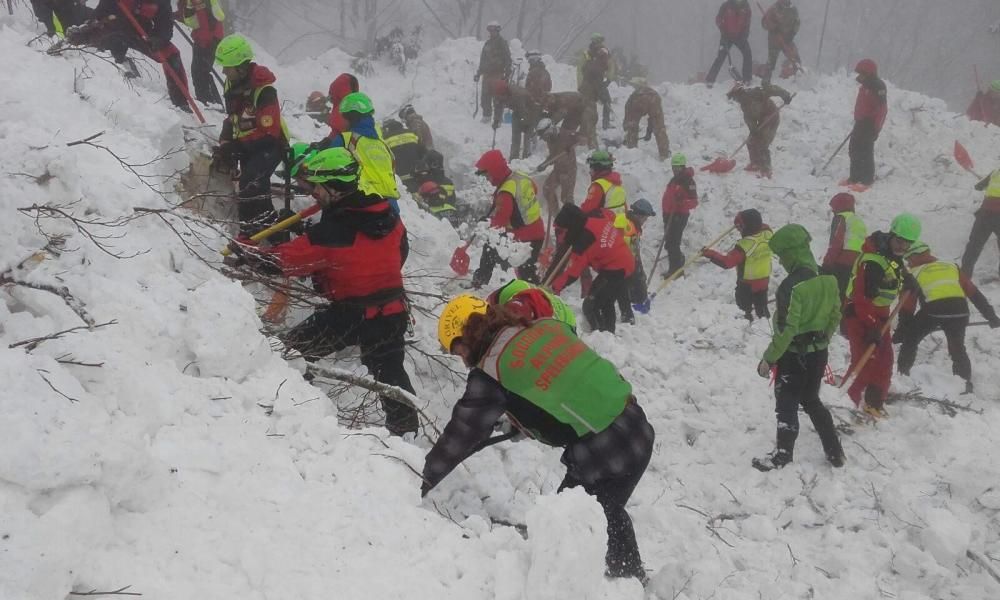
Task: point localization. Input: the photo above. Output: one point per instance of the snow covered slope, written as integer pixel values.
(195, 463)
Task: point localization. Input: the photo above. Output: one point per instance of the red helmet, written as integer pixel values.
(493, 164)
(500, 88)
(429, 188)
(842, 202)
(866, 66)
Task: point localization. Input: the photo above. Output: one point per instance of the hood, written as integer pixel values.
(878, 243)
(344, 84)
(495, 166)
(749, 221)
(791, 245)
(571, 218)
(613, 176)
(261, 76)
(842, 202)
(365, 126)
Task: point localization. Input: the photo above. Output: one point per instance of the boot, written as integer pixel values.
(782, 454)
(823, 423)
(874, 403)
(968, 387)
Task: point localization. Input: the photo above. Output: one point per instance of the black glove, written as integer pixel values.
(994, 322)
(298, 228)
(788, 100)
(157, 43)
(224, 157)
(874, 336)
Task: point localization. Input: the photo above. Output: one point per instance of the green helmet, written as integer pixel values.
(332, 164)
(357, 103)
(995, 86)
(298, 154)
(678, 160)
(597, 37)
(600, 159)
(233, 51)
(906, 226)
(512, 289)
(916, 248)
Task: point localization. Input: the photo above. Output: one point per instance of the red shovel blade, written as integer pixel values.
(460, 261)
(720, 165)
(545, 258)
(962, 157)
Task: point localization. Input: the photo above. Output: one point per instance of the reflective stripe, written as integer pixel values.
(854, 231)
(757, 264)
(402, 138)
(191, 17)
(939, 280)
(631, 237)
(522, 188)
(614, 197)
(246, 123)
(442, 208)
(993, 191)
(891, 281)
(377, 176)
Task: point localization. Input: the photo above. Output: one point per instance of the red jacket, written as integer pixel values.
(871, 103)
(507, 216)
(264, 117)
(344, 84)
(869, 275)
(836, 254)
(735, 258)
(733, 20)
(209, 29)
(595, 193)
(681, 195)
(600, 246)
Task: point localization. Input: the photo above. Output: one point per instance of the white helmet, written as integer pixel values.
(493, 25)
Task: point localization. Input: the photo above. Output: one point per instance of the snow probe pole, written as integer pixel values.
(690, 260)
(835, 153)
(187, 37)
(280, 226)
(171, 73)
(871, 347)
(659, 251)
(475, 113)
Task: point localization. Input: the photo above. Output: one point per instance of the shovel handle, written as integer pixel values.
(871, 348)
(690, 260)
(279, 226)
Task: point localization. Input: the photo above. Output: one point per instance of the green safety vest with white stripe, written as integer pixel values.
(854, 231)
(892, 280)
(192, 8)
(246, 123)
(757, 264)
(615, 199)
(993, 190)
(377, 171)
(522, 188)
(939, 281)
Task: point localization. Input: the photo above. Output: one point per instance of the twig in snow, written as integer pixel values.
(398, 459)
(683, 586)
(730, 492)
(119, 592)
(869, 454)
(979, 560)
(68, 359)
(41, 373)
(32, 343)
(795, 561)
(62, 291)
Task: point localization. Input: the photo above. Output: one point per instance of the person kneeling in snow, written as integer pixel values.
(807, 316)
(556, 390)
(355, 255)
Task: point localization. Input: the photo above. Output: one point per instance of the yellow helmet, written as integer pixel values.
(454, 317)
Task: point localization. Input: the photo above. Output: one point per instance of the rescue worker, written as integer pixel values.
(566, 109)
(342, 86)
(253, 141)
(592, 83)
(606, 190)
(870, 110)
(538, 81)
(494, 65)
(59, 15)
(635, 293)
(516, 212)
(985, 106)
(532, 302)
(415, 123)
(733, 21)
(584, 407)
(355, 255)
(594, 241)
(781, 22)
(987, 222)
(807, 315)
(155, 17)
(752, 258)
(317, 107)
(525, 114)
(944, 293)
(762, 118)
(847, 235)
(205, 18)
(435, 200)
(407, 152)
(560, 183)
(679, 199)
(875, 283)
(645, 102)
(432, 170)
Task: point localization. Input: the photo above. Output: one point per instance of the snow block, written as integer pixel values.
(946, 537)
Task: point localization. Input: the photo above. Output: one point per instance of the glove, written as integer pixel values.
(788, 100)
(223, 157)
(764, 369)
(994, 322)
(298, 228)
(642, 307)
(873, 336)
(475, 77)
(156, 43)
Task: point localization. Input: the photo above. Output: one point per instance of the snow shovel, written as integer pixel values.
(558, 268)
(687, 262)
(279, 226)
(726, 164)
(835, 153)
(548, 161)
(460, 258)
(964, 160)
(871, 348)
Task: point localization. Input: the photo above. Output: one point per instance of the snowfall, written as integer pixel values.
(166, 449)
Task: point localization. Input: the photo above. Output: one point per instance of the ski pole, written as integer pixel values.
(187, 37)
(835, 153)
(659, 251)
(158, 54)
(475, 113)
(279, 226)
(871, 347)
(688, 261)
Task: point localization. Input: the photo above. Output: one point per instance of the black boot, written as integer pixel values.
(782, 454)
(823, 422)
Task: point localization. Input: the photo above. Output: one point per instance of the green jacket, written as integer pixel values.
(808, 310)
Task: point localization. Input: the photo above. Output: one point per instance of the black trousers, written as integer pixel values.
(861, 151)
(490, 258)
(118, 41)
(843, 275)
(381, 340)
(633, 292)
(256, 210)
(797, 383)
(985, 225)
(724, 45)
(748, 300)
(673, 232)
(202, 59)
(599, 305)
(622, 559)
(913, 330)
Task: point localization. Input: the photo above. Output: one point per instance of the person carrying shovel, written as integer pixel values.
(762, 117)
(752, 258)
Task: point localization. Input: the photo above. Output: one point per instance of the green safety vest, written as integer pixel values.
(757, 264)
(190, 14)
(437, 210)
(993, 190)
(614, 200)
(546, 364)
(246, 123)
(401, 138)
(938, 281)
(855, 231)
(378, 173)
(522, 188)
(891, 280)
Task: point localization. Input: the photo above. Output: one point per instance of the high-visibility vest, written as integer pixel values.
(854, 231)
(190, 12)
(399, 139)
(993, 190)
(939, 281)
(246, 123)
(757, 264)
(441, 208)
(614, 200)
(631, 233)
(522, 188)
(377, 173)
(891, 280)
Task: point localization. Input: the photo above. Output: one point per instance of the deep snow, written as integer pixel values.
(197, 463)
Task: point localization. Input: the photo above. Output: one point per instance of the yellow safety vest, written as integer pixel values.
(993, 191)
(614, 200)
(757, 264)
(378, 173)
(443, 208)
(522, 188)
(939, 281)
(402, 138)
(246, 123)
(191, 18)
(855, 231)
(891, 280)
(631, 233)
